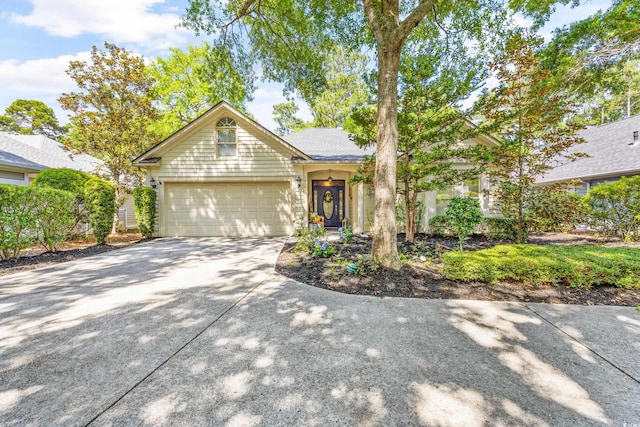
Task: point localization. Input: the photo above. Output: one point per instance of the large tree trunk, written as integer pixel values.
(385, 235)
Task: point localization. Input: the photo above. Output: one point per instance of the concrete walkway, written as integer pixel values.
(203, 332)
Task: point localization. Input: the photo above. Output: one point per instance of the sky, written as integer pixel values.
(38, 39)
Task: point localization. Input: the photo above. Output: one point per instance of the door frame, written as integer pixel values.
(340, 185)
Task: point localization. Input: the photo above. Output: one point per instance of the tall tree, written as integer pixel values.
(192, 81)
(284, 115)
(31, 117)
(111, 113)
(530, 116)
(431, 126)
(587, 56)
(292, 40)
(345, 88)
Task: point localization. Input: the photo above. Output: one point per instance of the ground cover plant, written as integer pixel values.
(552, 268)
(574, 265)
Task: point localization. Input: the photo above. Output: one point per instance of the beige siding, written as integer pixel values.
(196, 157)
(130, 213)
(261, 165)
(229, 209)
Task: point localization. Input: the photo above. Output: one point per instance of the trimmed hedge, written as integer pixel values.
(100, 197)
(72, 181)
(33, 214)
(17, 219)
(575, 266)
(55, 216)
(63, 179)
(144, 201)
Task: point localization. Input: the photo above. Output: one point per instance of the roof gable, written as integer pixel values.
(216, 112)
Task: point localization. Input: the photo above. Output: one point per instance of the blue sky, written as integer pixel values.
(38, 38)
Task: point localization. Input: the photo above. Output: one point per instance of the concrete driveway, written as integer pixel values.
(203, 332)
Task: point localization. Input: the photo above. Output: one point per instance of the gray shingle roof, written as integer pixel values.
(10, 159)
(609, 151)
(327, 144)
(46, 152)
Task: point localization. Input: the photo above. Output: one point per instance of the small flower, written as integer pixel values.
(341, 229)
(324, 246)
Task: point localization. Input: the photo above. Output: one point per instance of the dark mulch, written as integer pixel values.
(36, 257)
(417, 279)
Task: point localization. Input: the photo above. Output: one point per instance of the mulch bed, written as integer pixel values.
(36, 256)
(417, 279)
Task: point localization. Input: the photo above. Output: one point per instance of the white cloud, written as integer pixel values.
(41, 79)
(39, 76)
(119, 21)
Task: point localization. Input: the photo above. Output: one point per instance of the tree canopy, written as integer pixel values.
(190, 82)
(590, 59)
(31, 117)
(111, 112)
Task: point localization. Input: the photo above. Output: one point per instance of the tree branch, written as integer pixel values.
(414, 18)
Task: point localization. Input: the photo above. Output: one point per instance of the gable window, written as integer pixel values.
(227, 138)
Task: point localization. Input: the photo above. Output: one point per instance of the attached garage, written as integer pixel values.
(228, 209)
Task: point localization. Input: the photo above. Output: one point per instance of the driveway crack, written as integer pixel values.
(583, 344)
(164, 362)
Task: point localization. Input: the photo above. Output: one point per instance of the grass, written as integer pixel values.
(576, 266)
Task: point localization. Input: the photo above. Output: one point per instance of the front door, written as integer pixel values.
(328, 201)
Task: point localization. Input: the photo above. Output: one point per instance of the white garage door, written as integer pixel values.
(242, 209)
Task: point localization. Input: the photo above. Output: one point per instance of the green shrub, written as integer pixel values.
(17, 219)
(557, 211)
(144, 201)
(498, 228)
(614, 209)
(463, 214)
(69, 180)
(100, 197)
(308, 238)
(322, 250)
(439, 226)
(55, 216)
(576, 266)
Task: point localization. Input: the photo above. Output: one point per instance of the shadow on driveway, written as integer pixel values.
(105, 339)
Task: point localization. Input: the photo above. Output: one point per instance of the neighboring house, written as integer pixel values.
(42, 153)
(15, 170)
(614, 152)
(226, 175)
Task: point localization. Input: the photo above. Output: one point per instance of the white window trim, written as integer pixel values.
(220, 125)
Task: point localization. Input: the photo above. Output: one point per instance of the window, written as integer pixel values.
(469, 188)
(443, 197)
(581, 188)
(226, 135)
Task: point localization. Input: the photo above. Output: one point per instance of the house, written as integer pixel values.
(38, 152)
(614, 152)
(16, 170)
(226, 175)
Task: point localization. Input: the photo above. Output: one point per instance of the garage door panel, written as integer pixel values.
(228, 209)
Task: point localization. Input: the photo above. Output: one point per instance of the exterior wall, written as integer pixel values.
(130, 221)
(13, 178)
(194, 158)
(344, 172)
